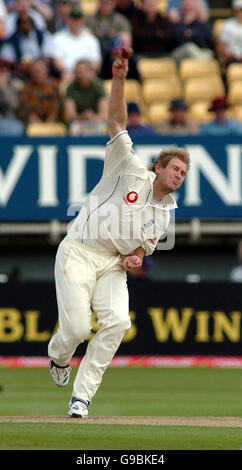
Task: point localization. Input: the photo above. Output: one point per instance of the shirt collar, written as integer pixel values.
(168, 201)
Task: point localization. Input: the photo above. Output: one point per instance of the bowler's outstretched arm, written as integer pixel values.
(117, 108)
(117, 121)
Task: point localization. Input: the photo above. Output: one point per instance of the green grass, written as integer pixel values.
(129, 392)
(123, 392)
(95, 437)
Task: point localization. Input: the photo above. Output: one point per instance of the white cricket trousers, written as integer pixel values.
(88, 279)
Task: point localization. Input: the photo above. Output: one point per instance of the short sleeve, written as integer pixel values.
(120, 157)
(149, 246)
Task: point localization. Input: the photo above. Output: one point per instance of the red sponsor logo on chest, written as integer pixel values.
(131, 197)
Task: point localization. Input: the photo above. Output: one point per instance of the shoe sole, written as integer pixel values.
(61, 385)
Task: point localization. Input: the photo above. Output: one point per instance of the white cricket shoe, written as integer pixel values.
(60, 374)
(78, 408)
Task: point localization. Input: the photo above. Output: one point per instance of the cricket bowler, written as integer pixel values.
(121, 221)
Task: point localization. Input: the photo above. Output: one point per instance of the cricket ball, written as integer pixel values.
(126, 52)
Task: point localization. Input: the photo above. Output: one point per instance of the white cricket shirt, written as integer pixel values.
(70, 49)
(231, 35)
(120, 213)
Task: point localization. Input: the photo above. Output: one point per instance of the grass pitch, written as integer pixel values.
(123, 392)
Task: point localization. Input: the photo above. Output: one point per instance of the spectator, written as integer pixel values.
(85, 105)
(27, 43)
(73, 44)
(135, 127)
(174, 11)
(178, 124)
(123, 39)
(126, 8)
(229, 48)
(151, 31)
(107, 24)
(193, 37)
(39, 98)
(9, 123)
(42, 6)
(221, 125)
(62, 9)
(20, 7)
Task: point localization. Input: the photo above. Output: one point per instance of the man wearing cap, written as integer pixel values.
(178, 124)
(221, 125)
(73, 44)
(230, 38)
(62, 10)
(135, 126)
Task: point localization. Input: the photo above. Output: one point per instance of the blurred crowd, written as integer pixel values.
(56, 62)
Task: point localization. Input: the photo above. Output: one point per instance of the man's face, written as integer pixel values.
(64, 8)
(39, 72)
(134, 119)
(75, 24)
(150, 7)
(189, 8)
(25, 24)
(220, 114)
(178, 115)
(107, 7)
(172, 176)
(85, 74)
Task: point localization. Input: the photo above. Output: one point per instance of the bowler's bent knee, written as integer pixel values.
(80, 333)
(120, 323)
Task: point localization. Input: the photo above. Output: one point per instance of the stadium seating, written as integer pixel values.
(158, 112)
(234, 72)
(89, 7)
(200, 89)
(133, 89)
(235, 92)
(199, 111)
(162, 5)
(156, 68)
(157, 90)
(192, 68)
(133, 92)
(217, 26)
(45, 129)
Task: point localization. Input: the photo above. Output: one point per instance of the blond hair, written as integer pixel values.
(173, 152)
